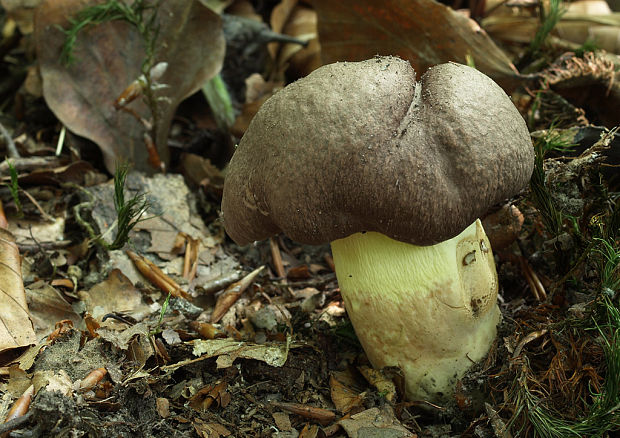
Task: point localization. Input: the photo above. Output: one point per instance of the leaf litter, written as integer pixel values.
(105, 350)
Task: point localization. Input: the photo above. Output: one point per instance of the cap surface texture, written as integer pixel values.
(362, 146)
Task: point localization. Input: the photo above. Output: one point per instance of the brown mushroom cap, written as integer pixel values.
(362, 146)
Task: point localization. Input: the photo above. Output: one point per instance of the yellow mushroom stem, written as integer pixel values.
(429, 310)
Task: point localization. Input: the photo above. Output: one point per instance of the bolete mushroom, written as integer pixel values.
(394, 173)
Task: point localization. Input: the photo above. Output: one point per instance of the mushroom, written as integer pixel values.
(394, 173)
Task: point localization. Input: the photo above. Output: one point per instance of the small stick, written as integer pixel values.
(46, 216)
(187, 258)
(538, 290)
(10, 144)
(157, 276)
(526, 340)
(14, 423)
(276, 256)
(322, 416)
(232, 294)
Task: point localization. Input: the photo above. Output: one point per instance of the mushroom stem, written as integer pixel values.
(429, 310)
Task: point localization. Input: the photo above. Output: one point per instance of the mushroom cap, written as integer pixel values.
(362, 146)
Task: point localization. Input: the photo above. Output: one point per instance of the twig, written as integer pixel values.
(538, 290)
(498, 425)
(232, 294)
(221, 282)
(15, 422)
(276, 256)
(526, 340)
(32, 247)
(46, 216)
(10, 144)
(156, 276)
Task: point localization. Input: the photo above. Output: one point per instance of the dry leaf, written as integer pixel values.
(298, 21)
(209, 430)
(227, 350)
(115, 294)
(163, 407)
(380, 381)
(282, 420)
(157, 277)
(47, 307)
(204, 398)
(108, 59)
(16, 329)
(344, 397)
(424, 32)
(376, 423)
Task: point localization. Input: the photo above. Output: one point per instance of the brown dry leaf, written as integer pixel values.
(291, 18)
(344, 397)
(422, 31)
(53, 381)
(376, 423)
(163, 407)
(201, 172)
(209, 430)
(156, 276)
(380, 381)
(228, 350)
(47, 307)
(108, 59)
(282, 420)
(16, 328)
(309, 431)
(135, 340)
(115, 294)
(205, 397)
(257, 92)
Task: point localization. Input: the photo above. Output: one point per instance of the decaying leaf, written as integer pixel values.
(374, 422)
(208, 395)
(227, 350)
(344, 397)
(16, 328)
(115, 294)
(47, 307)
(108, 59)
(424, 32)
(379, 380)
